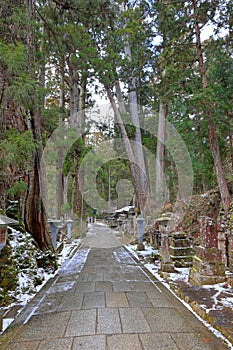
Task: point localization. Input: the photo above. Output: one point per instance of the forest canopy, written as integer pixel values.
(152, 64)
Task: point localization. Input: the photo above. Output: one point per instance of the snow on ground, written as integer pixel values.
(26, 279)
(26, 289)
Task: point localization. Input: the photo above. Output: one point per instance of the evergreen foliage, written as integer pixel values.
(55, 57)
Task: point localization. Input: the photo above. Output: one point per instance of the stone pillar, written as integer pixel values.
(222, 242)
(68, 225)
(140, 228)
(166, 262)
(208, 266)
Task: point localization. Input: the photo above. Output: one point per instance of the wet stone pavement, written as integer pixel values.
(103, 299)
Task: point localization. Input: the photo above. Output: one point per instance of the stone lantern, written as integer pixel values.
(69, 224)
(166, 262)
(140, 226)
(4, 222)
(53, 226)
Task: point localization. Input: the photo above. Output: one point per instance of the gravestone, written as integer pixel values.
(181, 250)
(208, 266)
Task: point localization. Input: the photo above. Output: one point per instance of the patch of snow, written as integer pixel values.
(127, 208)
(6, 322)
(181, 274)
(227, 302)
(122, 256)
(23, 247)
(100, 224)
(61, 287)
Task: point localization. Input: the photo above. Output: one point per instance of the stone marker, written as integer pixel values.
(208, 266)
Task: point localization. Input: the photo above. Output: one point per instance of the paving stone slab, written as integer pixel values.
(49, 304)
(158, 300)
(82, 277)
(93, 300)
(158, 342)
(89, 269)
(144, 286)
(97, 276)
(32, 345)
(104, 269)
(166, 320)
(104, 286)
(62, 287)
(121, 286)
(121, 255)
(82, 322)
(133, 321)
(67, 278)
(138, 299)
(88, 286)
(130, 276)
(108, 321)
(116, 299)
(135, 269)
(97, 342)
(124, 342)
(112, 276)
(44, 326)
(56, 344)
(71, 302)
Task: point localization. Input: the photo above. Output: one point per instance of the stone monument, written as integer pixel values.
(208, 266)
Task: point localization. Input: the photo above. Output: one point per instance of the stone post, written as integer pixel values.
(166, 262)
(208, 266)
(140, 227)
(69, 224)
(53, 226)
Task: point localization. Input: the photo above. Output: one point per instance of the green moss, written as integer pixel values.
(8, 276)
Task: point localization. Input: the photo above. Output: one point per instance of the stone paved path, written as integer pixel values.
(103, 299)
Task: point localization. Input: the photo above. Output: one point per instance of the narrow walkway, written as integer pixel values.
(103, 299)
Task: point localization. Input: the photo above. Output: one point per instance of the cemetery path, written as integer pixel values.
(104, 299)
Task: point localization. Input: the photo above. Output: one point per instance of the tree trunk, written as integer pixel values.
(161, 195)
(35, 214)
(59, 175)
(230, 136)
(77, 120)
(59, 183)
(225, 194)
(74, 94)
(120, 98)
(140, 199)
(213, 142)
(133, 106)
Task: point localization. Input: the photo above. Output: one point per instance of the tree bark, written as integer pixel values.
(230, 136)
(222, 184)
(133, 106)
(140, 199)
(161, 195)
(59, 175)
(74, 93)
(213, 141)
(35, 214)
